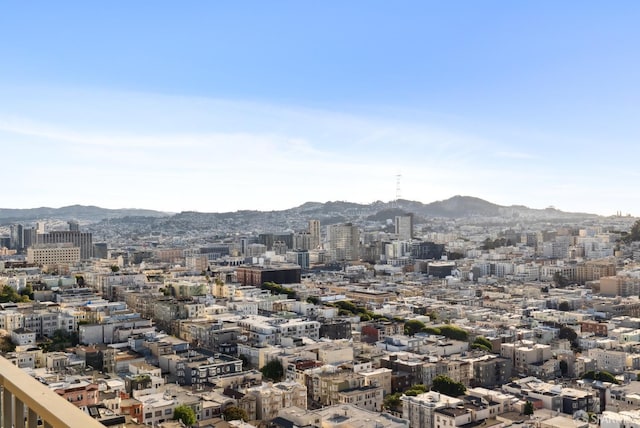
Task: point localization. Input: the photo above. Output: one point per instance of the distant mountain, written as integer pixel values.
(330, 212)
(73, 212)
(454, 207)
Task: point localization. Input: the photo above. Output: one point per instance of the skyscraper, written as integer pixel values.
(314, 231)
(404, 227)
(344, 242)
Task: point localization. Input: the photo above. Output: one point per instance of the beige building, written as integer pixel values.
(420, 410)
(271, 398)
(524, 354)
(53, 255)
(366, 397)
(378, 377)
(613, 286)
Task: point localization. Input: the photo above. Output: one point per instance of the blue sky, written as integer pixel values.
(218, 106)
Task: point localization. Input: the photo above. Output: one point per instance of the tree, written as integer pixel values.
(245, 361)
(27, 292)
(634, 233)
(412, 327)
(560, 280)
(115, 268)
(567, 333)
(453, 255)
(482, 343)
(185, 414)
(6, 345)
(564, 306)
(564, 367)
(235, 413)
(528, 408)
(448, 386)
(392, 401)
(273, 370)
(9, 294)
(453, 332)
(602, 376)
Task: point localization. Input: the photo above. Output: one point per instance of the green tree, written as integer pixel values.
(567, 333)
(416, 389)
(392, 401)
(245, 361)
(313, 299)
(273, 370)
(564, 367)
(9, 294)
(185, 414)
(431, 330)
(235, 413)
(602, 376)
(448, 386)
(482, 343)
(560, 280)
(453, 332)
(27, 292)
(528, 408)
(412, 327)
(115, 268)
(634, 233)
(6, 345)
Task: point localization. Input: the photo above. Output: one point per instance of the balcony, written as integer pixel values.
(25, 400)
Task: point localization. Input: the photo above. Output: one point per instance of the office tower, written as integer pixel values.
(314, 232)
(100, 250)
(16, 236)
(29, 236)
(302, 241)
(40, 227)
(84, 240)
(404, 227)
(344, 242)
(74, 226)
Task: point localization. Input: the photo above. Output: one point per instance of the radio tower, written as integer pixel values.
(398, 192)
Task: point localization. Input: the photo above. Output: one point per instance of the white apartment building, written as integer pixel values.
(420, 410)
(271, 398)
(611, 361)
(53, 255)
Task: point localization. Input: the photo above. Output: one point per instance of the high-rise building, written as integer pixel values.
(314, 232)
(404, 227)
(344, 242)
(16, 232)
(74, 226)
(84, 240)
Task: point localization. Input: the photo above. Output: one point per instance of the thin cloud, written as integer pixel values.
(516, 155)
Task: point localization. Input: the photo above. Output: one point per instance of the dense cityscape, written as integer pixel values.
(459, 313)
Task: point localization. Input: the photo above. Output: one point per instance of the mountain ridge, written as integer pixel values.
(457, 206)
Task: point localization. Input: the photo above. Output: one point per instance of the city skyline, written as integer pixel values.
(213, 109)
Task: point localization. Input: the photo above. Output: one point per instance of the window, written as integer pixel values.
(167, 411)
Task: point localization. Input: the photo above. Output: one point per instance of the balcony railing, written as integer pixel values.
(25, 401)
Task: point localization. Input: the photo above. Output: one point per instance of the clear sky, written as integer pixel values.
(219, 106)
